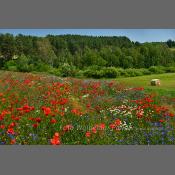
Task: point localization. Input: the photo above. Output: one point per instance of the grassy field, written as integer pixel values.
(167, 86)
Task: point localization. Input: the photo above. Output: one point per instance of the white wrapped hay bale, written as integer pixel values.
(155, 82)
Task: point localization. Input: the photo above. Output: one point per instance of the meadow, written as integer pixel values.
(39, 109)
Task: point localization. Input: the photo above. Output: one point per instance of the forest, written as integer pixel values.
(76, 55)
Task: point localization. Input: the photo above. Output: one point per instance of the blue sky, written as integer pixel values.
(141, 35)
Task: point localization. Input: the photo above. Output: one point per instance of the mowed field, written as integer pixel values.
(167, 86)
(39, 109)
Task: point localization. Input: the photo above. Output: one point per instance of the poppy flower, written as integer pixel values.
(35, 125)
(11, 131)
(118, 122)
(2, 126)
(112, 125)
(13, 141)
(171, 114)
(102, 126)
(88, 134)
(12, 125)
(38, 120)
(53, 121)
(94, 130)
(63, 101)
(47, 110)
(161, 120)
(56, 139)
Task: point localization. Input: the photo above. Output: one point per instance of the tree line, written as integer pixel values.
(36, 53)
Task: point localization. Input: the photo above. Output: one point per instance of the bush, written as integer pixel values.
(133, 72)
(67, 70)
(55, 71)
(157, 69)
(11, 65)
(12, 68)
(122, 72)
(94, 72)
(110, 72)
(41, 67)
(169, 69)
(79, 73)
(145, 71)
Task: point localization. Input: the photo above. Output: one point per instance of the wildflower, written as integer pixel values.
(88, 134)
(47, 110)
(2, 126)
(63, 101)
(13, 141)
(76, 111)
(11, 131)
(117, 122)
(94, 130)
(112, 126)
(38, 120)
(12, 125)
(53, 121)
(102, 126)
(161, 120)
(171, 114)
(35, 125)
(56, 139)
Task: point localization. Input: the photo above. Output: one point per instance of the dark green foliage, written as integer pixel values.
(67, 70)
(133, 72)
(75, 55)
(170, 69)
(110, 72)
(55, 71)
(156, 69)
(94, 72)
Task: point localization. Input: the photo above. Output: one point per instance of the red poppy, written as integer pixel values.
(13, 141)
(56, 139)
(161, 120)
(112, 126)
(171, 114)
(47, 110)
(35, 125)
(53, 121)
(94, 130)
(102, 126)
(38, 120)
(12, 125)
(88, 105)
(88, 134)
(118, 122)
(10, 131)
(2, 126)
(63, 101)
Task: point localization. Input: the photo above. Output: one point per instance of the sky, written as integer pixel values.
(141, 35)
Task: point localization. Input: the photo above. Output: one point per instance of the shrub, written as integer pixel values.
(156, 69)
(94, 72)
(41, 67)
(67, 70)
(55, 71)
(110, 72)
(145, 71)
(11, 65)
(170, 69)
(79, 73)
(133, 72)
